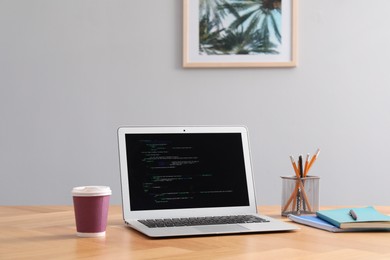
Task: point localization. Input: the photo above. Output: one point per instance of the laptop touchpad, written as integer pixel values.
(221, 228)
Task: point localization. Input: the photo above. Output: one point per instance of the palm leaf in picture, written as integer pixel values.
(208, 37)
(263, 44)
(233, 27)
(210, 25)
(276, 28)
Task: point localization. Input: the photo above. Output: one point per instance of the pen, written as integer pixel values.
(300, 166)
(353, 214)
(301, 174)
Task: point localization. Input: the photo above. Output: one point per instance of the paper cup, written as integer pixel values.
(91, 210)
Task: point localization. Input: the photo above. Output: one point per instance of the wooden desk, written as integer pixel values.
(48, 232)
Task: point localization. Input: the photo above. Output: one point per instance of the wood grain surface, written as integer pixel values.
(48, 232)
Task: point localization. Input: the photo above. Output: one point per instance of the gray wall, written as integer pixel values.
(72, 71)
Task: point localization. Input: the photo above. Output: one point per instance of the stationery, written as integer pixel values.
(298, 199)
(313, 159)
(316, 222)
(364, 218)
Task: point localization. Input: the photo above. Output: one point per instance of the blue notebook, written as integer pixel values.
(367, 217)
(314, 221)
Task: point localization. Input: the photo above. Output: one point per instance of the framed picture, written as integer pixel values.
(238, 33)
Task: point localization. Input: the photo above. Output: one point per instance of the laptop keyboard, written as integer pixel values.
(219, 220)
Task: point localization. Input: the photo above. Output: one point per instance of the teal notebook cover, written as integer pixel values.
(338, 217)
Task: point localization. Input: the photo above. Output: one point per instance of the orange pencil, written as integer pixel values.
(293, 196)
(306, 166)
(294, 166)
(313, 159)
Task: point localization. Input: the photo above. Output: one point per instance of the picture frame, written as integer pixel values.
(239, 34)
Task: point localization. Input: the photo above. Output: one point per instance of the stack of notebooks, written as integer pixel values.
(346, 220)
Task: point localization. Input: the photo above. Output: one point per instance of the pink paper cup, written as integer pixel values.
(91, 210)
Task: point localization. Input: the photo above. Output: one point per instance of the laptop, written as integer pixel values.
(191, 180)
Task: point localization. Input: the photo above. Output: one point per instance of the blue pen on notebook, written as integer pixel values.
(353, 214)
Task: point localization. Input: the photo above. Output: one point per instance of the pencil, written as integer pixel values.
(306, 165)
(293, 196)
(313, 159)
(294, 166)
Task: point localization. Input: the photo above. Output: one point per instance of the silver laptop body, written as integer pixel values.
(179, 172)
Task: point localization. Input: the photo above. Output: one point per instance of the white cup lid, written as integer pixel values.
(87, 191)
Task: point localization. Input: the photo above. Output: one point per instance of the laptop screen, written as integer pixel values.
(185, 170)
